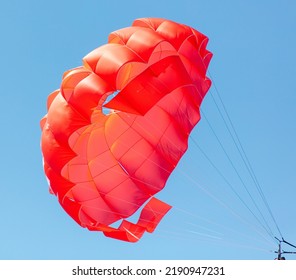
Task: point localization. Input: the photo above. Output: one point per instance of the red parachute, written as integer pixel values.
(104, 167)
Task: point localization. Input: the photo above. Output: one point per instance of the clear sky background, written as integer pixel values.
(253, 69)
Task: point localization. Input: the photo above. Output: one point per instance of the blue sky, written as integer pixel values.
(253, 69)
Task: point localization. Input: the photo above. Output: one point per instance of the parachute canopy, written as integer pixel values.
(104, 166)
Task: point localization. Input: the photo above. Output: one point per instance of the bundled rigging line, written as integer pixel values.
(266, 226)
(244, 157)
(233, 133)
(223, 112)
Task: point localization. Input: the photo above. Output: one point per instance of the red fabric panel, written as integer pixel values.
(152, 213)
(149, 218)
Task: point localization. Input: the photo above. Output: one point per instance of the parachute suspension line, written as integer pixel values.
(266, 227)
(196, 236)
(233, 212)
(234, 135)
(228, 228)
(231, 187)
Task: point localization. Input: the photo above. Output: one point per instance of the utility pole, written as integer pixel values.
(280, 251)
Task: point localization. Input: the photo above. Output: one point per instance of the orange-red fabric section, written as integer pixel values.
(104, 165)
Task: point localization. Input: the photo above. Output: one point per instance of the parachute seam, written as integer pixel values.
(93, 177)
